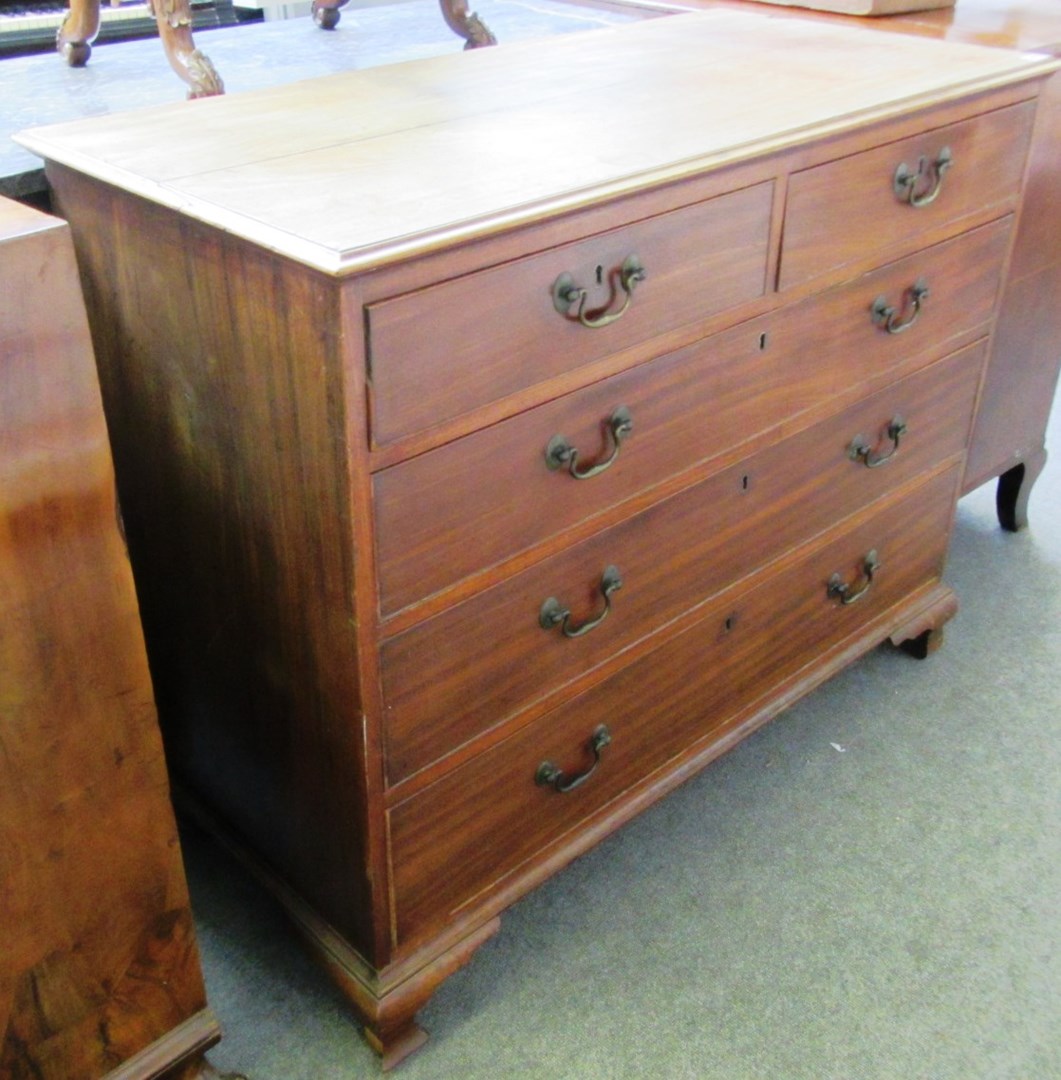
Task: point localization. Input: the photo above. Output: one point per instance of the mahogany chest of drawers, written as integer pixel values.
(504, 437)
(1020, 380)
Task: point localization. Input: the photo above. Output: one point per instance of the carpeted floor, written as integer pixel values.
(869, 888)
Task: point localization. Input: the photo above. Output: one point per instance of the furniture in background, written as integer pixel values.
(875, 8)
(99, 968)
(1009, 439)
(463, 23)
(30, 26)
(545, 445)
(174, 19)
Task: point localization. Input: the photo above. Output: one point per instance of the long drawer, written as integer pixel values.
(847, 209)
(474, 502)
(479, 823)
(439, 352)
(460, 673)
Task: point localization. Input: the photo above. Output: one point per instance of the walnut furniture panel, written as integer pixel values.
(99, 968)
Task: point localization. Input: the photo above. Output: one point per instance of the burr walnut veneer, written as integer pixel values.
(503, 437)
(99, 969)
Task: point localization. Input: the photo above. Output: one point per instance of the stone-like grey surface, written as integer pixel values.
(42, 89)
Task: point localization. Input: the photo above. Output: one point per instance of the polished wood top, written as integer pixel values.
(1013, 24)
(360, 168)
(1010, 24)
(17, 220)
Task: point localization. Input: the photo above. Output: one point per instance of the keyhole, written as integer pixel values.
(745, 481)
(731, 621)
(762, 342)
(600, 275)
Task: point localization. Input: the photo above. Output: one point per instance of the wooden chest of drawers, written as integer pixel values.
(1020, 380)
(500, 443)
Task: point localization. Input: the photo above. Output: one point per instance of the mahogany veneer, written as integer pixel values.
(1008, 440)
(359, 340)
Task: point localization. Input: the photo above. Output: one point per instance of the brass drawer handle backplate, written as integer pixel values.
(922, 187)
(838, 589)
(550, 775)
(860, 450)
(553, 613)
(891, 319)
(560, 452)
(566, 294)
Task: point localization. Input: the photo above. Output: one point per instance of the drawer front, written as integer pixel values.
(460, 673)
(467, 831)
(846, 209)
(442, 351)
(469, 505)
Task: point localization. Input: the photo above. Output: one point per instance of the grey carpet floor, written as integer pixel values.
(869, 888)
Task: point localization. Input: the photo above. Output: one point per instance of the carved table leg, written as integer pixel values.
(1014, 487)
(174, 18)
(326, 13)
(77, 32)
(467, 25)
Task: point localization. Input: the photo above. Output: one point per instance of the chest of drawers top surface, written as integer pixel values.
(331, 171)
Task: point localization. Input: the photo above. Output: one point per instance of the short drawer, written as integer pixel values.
(849, 208)
(442, 351)
(463, 835)
(479, 500)
(469, 668)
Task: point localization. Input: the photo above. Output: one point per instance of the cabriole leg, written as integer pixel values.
(77, 32)
(326, 13)
(174, 18)
(1014, 487)
(466, 24)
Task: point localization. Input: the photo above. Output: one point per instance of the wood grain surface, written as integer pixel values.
(334, 473)
(467, 832)
(263, 165)
(98, 959)
(478, 501)
(449, 678)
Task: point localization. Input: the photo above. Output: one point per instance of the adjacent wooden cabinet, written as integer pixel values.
(1020, 383)
(500, 442)
(99, 968)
